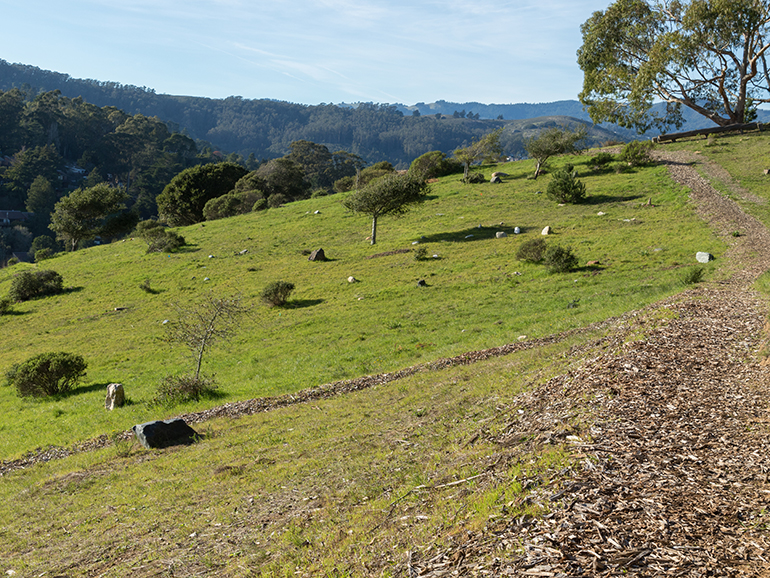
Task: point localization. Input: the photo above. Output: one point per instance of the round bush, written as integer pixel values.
(47, 374)
(601, 159)
(158, 238)
(559, 259)
(637, 153)
(43, 254)
(565, 187)
(276, 200)
(33, 284)
(474, 179)
(277, 293)
(6, 306)
(532, 250)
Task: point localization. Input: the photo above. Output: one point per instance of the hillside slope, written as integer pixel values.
(634, 446)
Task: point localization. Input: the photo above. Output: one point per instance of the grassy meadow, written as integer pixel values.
(477, 296)
(356, 485)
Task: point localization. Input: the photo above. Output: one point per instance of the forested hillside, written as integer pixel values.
(51, 144)
(265, 128)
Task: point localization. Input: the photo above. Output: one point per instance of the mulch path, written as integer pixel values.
(673, 475)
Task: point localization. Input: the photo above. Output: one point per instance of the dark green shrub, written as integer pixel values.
(636, 153)
(277, 293)
(33, 284)
(693, 276)
(221, 207)
(259, 205)
(420, 254)
(43, 242)
(47, 374)
(474, 179)
(433, 165)
(231, 204)
(158, 238)
(532, 250)
(174, 389)
(6, 305)
(12, 261)
(559, 259)
(345, 184)
(601, 159)
(565, 186)
(276, 200)
(43, 254)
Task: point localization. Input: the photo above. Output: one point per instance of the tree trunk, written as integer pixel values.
(374, 230)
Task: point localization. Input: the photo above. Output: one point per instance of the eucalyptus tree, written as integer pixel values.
(707, 55)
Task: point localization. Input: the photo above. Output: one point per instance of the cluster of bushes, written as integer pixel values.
(29, 285)
(158, 238)
(555, 258)
(633, 154)
(234, 203)
(433, 165)
(364, 177)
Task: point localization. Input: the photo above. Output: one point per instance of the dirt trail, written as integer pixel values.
(674, 469)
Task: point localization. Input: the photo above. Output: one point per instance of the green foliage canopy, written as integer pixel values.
(552, 142)
(33, 284)
(87, 213)
(389, 195)
(182, 201)
(707, 55)
(47, 374)
(487, 147)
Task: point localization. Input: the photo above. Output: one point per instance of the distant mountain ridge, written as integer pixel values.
(265, 127)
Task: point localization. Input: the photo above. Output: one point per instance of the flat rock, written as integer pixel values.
(163, 434)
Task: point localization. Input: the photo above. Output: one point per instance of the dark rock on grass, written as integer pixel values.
(162, 434)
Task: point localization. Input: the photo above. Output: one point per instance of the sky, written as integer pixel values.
(310, 51)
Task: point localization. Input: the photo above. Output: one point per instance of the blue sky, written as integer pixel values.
(310, 51)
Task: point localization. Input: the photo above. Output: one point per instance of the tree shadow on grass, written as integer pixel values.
(602, 199)
(14, 313)
(471, 234)
(302, 303)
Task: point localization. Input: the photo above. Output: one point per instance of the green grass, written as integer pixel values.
(744, 157)
(478, 294)
(345, 486)
(357, 484)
